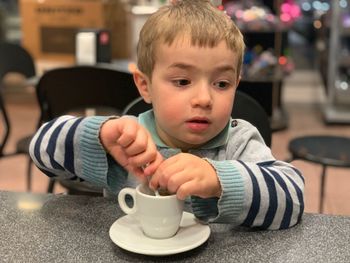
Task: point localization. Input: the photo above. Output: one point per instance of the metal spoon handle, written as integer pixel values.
(155, 191)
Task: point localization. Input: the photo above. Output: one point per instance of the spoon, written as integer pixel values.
(156, 193)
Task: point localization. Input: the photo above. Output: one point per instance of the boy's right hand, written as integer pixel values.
(131, 145)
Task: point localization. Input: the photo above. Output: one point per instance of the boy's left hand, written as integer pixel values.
(186, 174)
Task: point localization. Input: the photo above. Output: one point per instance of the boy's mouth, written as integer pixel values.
(198, 124)
(199, 120)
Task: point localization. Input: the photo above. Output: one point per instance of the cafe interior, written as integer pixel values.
(296, 68)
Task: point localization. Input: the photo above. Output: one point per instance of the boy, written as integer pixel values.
(189, 60)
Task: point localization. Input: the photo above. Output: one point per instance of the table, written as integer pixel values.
(64, 228)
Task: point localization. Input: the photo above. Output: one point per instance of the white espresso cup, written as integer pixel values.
(159, 216)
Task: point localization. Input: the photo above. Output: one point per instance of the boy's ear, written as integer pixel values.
(238, 80)
(142, 83)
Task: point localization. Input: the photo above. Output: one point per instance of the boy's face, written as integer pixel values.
(192, 91)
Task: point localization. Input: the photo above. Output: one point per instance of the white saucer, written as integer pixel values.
(127, 234)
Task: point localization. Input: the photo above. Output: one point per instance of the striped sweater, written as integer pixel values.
(257, 190)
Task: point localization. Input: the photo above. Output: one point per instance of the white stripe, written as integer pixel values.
(264, 194)
(78, 162)
(287, 169)
(281, 205)
(42, 150)
(47, 137)
(293, 194)
(61, 146)
(33, 143)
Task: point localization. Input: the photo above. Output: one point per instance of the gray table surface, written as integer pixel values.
(62, 228)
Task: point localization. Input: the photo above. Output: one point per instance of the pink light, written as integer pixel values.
(295, 11)
(285, 18)
(289, 11)
(285, 8)
(239, 14)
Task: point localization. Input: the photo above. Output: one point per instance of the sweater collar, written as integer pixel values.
(147, 120)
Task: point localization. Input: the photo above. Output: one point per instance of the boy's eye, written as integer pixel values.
(181, 82)
(222, 84)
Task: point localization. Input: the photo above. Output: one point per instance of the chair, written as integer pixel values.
(247, 108)
(326, 150)
(14, 59)
(78, 89)
(67, 89)
(244, 107)
(136, 107)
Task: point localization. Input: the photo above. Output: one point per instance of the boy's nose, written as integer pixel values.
(202, 96)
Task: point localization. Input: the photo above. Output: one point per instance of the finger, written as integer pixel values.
(154, 181)
(187, 189)
(127, 134)
(119, 155)
(153, 165)
(159, 173)
(171, 173)
(176, 180)
(140, 144)
(144, 158)
(168, 176)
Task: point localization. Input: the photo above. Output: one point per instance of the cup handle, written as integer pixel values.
(121, 200)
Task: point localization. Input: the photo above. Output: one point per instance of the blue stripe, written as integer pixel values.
(51, 146)
(39, 140)
(80, 179)
(298, 173)
(289, 203)
(69, 144)
(271, 187)
(49, 174)
(267, 163)
(256, 198)
(76, 178)
(300, 198)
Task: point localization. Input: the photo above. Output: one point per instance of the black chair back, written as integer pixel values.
(13, 59)
(63, 90)
(136, 107)
(245, 107)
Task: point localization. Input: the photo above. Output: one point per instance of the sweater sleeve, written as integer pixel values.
(69, 148)
(257, 190)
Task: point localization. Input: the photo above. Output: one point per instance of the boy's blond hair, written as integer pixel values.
(203, 22)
